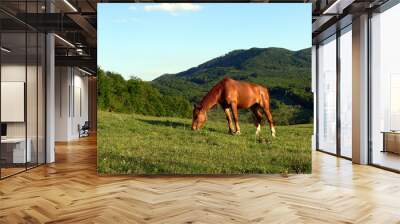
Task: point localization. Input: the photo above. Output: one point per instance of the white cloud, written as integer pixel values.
(173, 8)
(133, 8)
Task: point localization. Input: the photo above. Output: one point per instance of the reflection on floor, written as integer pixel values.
(70, 191)
(387, 159)
(8, 170)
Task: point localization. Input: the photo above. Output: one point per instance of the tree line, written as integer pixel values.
(116, 94)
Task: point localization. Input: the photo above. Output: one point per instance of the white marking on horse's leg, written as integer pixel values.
(273, 132)
(258, 129)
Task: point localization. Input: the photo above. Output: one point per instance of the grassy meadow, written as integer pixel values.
(137, 144)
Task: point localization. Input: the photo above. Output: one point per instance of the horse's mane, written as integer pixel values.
(211, 98)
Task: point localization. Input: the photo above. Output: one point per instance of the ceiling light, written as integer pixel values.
(70, 5)
(64, 40)
(5, 50)
(79, 51)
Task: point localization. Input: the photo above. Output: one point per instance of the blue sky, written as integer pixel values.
(148, 40)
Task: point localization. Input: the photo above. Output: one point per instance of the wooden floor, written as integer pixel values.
(70, 191)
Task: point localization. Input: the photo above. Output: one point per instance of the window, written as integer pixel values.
(346, 92)
(327, 95)
(385, 89)
(22, 98)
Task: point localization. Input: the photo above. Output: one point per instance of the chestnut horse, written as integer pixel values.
(233, 95)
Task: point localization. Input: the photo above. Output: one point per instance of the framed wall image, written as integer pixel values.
(188, 88)
(13, 98)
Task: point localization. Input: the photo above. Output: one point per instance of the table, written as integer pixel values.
(391, 141)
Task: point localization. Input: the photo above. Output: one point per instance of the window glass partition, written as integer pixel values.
(22, 101)
(327, 95)
(31, 97)
(41, 91)
(385, 89)
(14, 153)
(346, 92)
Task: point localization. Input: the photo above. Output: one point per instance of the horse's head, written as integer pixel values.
(199, 118)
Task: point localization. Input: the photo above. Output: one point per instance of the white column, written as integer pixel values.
(360, 90)
(50, 98)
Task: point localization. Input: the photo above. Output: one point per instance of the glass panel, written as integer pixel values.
(32, 88)
(22, 88)
(385, 84)
(346, 93)
(31, 97)
(13, 86)
(41, 98)
(327, 96)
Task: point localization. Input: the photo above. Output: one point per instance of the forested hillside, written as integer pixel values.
(286, 73)
(136, 96)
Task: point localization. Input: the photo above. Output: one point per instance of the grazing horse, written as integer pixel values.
(233, 95)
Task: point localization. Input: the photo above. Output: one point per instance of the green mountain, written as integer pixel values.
(286, 73)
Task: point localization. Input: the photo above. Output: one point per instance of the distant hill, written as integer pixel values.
(115, 94)
(286, 73)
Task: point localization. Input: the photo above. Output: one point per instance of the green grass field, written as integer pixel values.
(136, 144)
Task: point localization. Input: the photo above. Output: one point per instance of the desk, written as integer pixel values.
(391, 141)
(13, 150)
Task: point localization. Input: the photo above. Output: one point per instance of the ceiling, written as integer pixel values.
(75, 22)
(330, 15)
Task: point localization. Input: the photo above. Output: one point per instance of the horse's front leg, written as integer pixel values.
(229, 119)
(235, 117)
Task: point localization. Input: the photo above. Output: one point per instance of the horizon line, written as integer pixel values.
(123, 76)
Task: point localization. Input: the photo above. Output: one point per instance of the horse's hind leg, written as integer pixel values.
(229, 119)
(258, 118)
(235, 117)
(267, 112)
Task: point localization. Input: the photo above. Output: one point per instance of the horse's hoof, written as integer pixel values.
(273, 132)
(237, 133)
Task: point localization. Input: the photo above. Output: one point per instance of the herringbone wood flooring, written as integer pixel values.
(70, 191)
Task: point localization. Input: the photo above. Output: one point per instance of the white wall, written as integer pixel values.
(62, 83)
(33, 127)
(81, 94)
(14, 72)
(71, 87)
